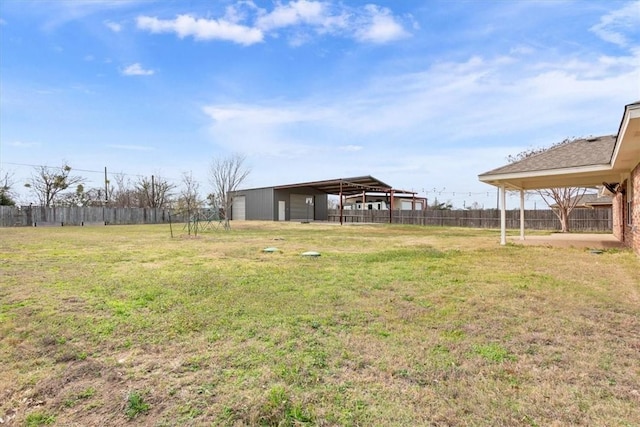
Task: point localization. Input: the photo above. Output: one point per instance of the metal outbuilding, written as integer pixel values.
(307, 201)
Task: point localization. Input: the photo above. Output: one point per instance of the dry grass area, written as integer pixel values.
(391, 325)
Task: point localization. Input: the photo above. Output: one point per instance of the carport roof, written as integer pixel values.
(346, 186)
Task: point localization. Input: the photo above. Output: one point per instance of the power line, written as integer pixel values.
(434, 192)
(44, 166)
(87, 170)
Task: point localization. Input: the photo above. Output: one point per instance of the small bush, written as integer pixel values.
(136, 405)
(39, 419)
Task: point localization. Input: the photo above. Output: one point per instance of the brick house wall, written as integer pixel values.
(618, 216)
(632, 227)
(624, 229)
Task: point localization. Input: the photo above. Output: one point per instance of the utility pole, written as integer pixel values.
(153, 192)
(106, 197)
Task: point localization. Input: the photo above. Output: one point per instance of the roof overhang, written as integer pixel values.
(346, 186)
(588, 176)
(626, 156)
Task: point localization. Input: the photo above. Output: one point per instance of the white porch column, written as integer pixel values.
(521, 214)
(503, 215)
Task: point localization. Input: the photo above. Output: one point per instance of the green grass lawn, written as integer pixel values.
(391, 325)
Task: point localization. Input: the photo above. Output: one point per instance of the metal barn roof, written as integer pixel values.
(346, 186)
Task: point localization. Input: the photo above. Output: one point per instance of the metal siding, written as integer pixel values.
(322, 207)
(238, 208)
(300, 211)
(321, 204)
(282, 196)
(260, 204)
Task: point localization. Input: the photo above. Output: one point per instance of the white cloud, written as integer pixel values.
(302, 12)
(259, 115)
(378, 25)
(137, 70)
(616, 27)
(113, 26)
(244, 23)
(202, 29)
(62, 12)
(292, 14)
(470, 103)
(240, 11)
(264, 131)
(370, 24)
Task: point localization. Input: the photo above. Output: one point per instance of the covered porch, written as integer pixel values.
(582, 163)
(590, 162)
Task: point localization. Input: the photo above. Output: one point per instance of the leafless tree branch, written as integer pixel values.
(225, 176)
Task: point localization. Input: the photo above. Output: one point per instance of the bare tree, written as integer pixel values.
(122, 193)
(154, 192)
(7, 195)
(189, 201)
(48, 183)
(562, 200)
(189, 197)
(83, 197)
(226, 175)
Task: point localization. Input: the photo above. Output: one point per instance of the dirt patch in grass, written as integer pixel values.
(571, 240)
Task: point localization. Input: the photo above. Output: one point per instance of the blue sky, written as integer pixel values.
(424, 95)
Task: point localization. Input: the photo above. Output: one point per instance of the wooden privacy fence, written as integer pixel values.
(588, 220)
(591, 220)
(27, 216)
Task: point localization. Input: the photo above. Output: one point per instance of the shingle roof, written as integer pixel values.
(591, 199)
(581, 152)
(595, 199)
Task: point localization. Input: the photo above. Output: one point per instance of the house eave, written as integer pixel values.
(626, 153)
(584, 176)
